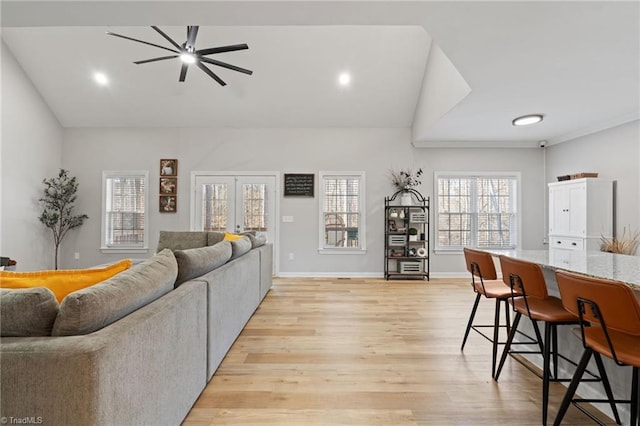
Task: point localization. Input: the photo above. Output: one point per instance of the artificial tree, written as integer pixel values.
(58, 204)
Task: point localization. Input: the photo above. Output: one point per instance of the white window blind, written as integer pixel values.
(477, 210)
(341, 225)
(124, 210)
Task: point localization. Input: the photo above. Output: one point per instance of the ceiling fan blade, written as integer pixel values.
(225, 65)
(155, 59)
(183, 72)
(210, 73)
(169, 39)
(222, 49)
(192, 33)
(141, 41)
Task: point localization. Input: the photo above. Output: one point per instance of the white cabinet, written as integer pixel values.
(580, 213)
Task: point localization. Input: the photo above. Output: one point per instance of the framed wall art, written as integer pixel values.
(168, 204)
(168, 185)
(168, 167)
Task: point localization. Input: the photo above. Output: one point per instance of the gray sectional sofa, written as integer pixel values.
(138, 348)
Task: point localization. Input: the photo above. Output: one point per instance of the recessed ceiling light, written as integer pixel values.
(344, 79)
(526, 120)
(101, 78)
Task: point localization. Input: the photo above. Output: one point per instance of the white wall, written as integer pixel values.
(376, 151)
(31, 149)
(613, 154)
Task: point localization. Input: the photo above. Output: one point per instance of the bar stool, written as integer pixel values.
(485, 283)
(526, 280)
(609, 317)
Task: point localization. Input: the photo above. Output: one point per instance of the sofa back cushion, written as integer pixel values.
(181, 240)
(195, 262)
(63, 281)
(93, 308)
(27, 312)
(240, 247)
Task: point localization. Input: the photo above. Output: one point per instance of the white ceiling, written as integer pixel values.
(576, 62)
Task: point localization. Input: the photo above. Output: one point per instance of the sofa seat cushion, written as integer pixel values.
(181, 240)
(240, 247)
(93, 308)
(195, 262)
(63, 281)
(27, 312)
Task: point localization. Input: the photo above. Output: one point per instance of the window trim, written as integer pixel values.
(144, 248)
(361, 176)
(480, 174)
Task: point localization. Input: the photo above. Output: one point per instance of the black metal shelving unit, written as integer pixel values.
(406, 252)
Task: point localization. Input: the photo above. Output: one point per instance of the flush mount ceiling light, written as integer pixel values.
(527, 120)
(189, 55)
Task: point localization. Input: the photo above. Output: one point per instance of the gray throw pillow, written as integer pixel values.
(181, 240)
(27, 312)
(240, 247)
(92, 308)
(198, 261)
(257, 240)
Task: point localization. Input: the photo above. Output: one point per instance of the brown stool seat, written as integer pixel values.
(627, 347)
(494, 289)
(547, 310)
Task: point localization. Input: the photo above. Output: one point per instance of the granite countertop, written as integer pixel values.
(616, 267)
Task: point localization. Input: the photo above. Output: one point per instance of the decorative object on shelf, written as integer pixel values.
(626, 244)
(168, 189)
(402, 212)
(413, 252)
(406, 179)
(422, 252)
(57, 202)
(393, 213)
(392, 226)
(413, 234)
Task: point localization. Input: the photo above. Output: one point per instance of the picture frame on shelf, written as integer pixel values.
(168, 185)
(168, 167)
(392, 226)
(168, 204)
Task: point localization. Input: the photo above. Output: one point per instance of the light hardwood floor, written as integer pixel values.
(369, 352)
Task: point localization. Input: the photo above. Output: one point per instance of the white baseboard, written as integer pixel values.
(361, 275)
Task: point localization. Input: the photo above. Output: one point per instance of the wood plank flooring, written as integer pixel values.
(369, 352)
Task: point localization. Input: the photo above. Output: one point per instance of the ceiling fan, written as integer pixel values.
(189, 55)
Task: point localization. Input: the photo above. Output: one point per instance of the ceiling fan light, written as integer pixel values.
(188, 58)
(527, 120)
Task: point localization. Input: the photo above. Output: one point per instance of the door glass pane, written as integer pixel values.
(254, 200)
(215, 203)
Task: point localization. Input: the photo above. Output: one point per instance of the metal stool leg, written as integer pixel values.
(571, 390)
(496, 335)
(507, 345)
(635, 397)
(607, 386)
(470, 323)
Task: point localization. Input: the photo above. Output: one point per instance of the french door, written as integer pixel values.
(235, 203)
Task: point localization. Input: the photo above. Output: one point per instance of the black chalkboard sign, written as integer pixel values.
(300, 185)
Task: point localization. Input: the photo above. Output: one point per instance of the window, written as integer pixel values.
(476, 210)
(341, 216)
(124, 211)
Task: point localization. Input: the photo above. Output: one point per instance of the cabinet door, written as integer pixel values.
(559, 205)
(577, 209)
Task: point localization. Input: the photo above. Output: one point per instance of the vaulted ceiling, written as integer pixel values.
(455, 72)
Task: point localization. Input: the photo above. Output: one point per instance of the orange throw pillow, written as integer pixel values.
(63, 281)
